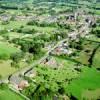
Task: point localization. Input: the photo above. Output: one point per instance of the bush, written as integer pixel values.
(96, 31)
(16, 57)
(5, 22)
(3, 86)
(4, 31)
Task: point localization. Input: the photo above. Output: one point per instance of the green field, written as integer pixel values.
(65, 63)
(88, 80)
(6, 50)
(14, 24)
(94, 38)
(17, 24)
(41, 29)
(84, 55)
(6, 69)
(96, 60)
(7, 94)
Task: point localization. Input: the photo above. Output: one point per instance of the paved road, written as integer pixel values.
(43, 58)
(27, 69)
(40, 60)
(14, 79)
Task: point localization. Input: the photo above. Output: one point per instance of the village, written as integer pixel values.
(42, 48)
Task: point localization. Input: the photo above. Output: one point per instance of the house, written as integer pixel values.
(18, 82)
(31, 74)
(51, 19)
(23, 84)
(62, 49)
(73, 35)
(5, 17)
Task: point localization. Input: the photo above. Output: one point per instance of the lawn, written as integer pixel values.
(7, 94)
(89, 80)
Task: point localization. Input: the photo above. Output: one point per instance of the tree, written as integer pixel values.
(33, 22)
(50, 81)
(3, 86)
(5, 22)
(4, 31)
(28, 30)
(15, 64)
(96, 31)
(16, 57)
(0, 76)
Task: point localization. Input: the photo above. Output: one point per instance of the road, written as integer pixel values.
(26, 69)
(5, 80)
(29, 68)
(15, 78)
